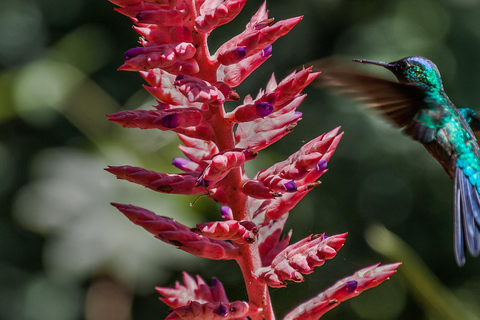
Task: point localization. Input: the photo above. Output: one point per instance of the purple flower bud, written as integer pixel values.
(351, 285)
(242, 52)
(227, 213)
(263, 109)
(267, 51)
(290, 186)
(221, 311)
(133, 53)
(321, 165)
(139, 17)
(170, 121)
(202, 182)
(180, 163)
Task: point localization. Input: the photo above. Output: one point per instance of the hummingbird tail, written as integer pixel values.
(466, 217)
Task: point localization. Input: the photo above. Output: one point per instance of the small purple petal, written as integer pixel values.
(180, 163)
(351, 285)
(139, 17)
(267, 51)
(263, 109)
(290, 186)
(321, 165)
(221, 311)
(170, 121)
(242, 52)
(202, 182)
(227, 213)
(133, 53)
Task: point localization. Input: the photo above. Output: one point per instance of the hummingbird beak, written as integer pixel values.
(377, 63)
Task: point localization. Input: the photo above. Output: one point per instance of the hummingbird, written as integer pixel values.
(418, 104)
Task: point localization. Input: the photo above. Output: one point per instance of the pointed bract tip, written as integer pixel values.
(125, 67)
(110, 169)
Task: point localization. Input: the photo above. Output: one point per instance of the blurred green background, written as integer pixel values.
(66, 254)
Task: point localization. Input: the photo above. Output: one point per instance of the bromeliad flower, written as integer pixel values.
(191, 86)
(300, 258)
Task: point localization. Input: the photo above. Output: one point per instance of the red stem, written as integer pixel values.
(249, 259)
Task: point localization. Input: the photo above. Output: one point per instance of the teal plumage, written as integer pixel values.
(419, 104)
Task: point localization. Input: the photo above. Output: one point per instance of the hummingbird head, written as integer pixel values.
(417, 70)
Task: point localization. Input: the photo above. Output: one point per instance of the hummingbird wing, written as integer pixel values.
(422, 113)
(404, 104)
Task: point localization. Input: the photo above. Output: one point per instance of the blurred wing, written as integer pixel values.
(398, 101)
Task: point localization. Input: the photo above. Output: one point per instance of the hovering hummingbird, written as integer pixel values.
(419, 104)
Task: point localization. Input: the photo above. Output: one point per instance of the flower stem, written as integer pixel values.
(257, 290)
(249, 259)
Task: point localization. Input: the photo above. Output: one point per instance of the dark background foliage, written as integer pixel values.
(66, 254)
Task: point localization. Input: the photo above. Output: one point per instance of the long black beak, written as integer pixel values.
(377, 63)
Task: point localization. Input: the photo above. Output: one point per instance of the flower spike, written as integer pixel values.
(165, 119)
(191, 86)
(237, 231)
(221, 163)
(300, 258)
(344, 289)
(164, 17)
(211, 311)
(174, 233)
(179, 183)
(263, 132)
(192, 290)
(222, 14)
(303, 167)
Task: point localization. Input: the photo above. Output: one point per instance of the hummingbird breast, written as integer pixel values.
(454, 141)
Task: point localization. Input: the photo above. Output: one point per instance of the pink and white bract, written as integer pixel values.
(191, 86)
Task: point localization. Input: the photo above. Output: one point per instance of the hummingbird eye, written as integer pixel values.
(403, 66)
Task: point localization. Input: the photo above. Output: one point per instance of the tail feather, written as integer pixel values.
(476, 213)
(466, 210)
(469, 207)
(459, 245)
